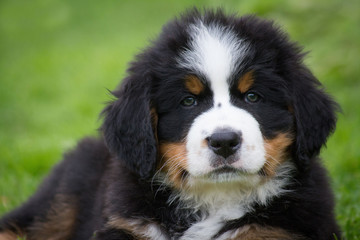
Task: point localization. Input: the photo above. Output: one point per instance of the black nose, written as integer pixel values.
(225, 142)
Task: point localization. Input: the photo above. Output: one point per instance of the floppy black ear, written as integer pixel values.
(128, 127)
(315, 116)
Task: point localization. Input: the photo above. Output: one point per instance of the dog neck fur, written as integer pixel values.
(217, 203)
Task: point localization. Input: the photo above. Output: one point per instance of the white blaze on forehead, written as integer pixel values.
(214, 51)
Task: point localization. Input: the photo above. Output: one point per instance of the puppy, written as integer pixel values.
(214, 134)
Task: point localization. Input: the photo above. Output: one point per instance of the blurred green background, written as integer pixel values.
(58, 58)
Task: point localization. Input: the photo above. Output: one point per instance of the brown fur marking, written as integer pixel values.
(194, 85)
(13, 234)
(276, 152)
(59, 222)
(174, 161)
(256, 232)
(7, 235)
(246, 81)
(138, 228)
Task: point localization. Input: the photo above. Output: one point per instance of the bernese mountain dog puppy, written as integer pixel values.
(214, 134)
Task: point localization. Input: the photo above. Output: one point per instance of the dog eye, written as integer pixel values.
(189, 101)
(252, 97)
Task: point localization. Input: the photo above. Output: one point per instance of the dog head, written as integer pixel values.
(218, 98)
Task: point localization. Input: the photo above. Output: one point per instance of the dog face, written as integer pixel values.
(218, 99)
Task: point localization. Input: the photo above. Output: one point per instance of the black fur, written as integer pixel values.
(315, 116)
(113, 177)
(128, 124)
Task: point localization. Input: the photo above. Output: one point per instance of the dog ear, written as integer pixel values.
(315, 116)
(128, 126)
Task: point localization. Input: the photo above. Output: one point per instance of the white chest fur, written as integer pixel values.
(230, 201)
(208, 227)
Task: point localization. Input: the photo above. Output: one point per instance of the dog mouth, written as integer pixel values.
(225, 170)
(226, 174)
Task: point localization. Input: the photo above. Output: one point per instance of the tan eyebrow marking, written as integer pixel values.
(246, 81)
(194, 84)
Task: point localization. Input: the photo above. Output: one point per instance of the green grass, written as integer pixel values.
(59, 57)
